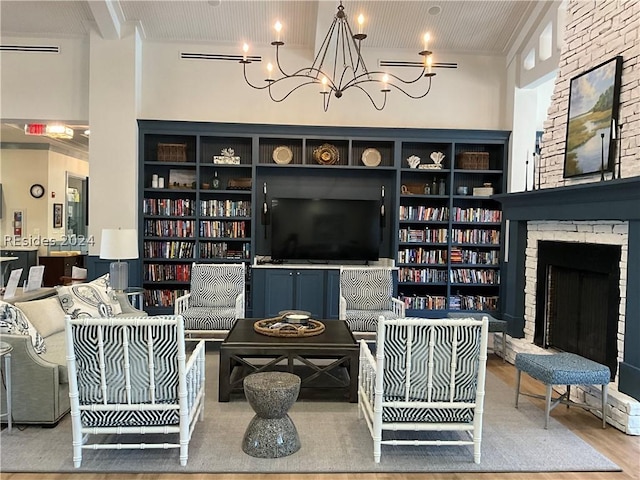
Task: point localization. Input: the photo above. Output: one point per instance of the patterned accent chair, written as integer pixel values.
(129, 376)
(216, 299)
(365, 294)
(427, 377)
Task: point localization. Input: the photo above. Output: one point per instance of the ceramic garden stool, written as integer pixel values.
(271, 433)
(563, 369)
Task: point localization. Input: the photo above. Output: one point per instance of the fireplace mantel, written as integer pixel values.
(611, 200)
(607, 200)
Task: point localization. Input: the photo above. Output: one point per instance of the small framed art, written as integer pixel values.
(57, 215)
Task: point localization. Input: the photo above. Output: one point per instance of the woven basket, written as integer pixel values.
(172, 152)
(287, 330)
(473, 160)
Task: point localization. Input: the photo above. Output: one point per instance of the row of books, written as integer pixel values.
(426, 235)
(456, 302)
(410, 212)
(475, 275)
(476, 215)
(155, 272)
(473, 302)
(168, 206)
(225, 208)
(173, 249)
(425, 302)
(422, 255)
(222, 250)
(476, 235)
(221, 229)
(475, 257)
(162, 298)
(422, 275)
(169, 228)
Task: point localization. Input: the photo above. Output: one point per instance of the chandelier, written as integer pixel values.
(339, 66)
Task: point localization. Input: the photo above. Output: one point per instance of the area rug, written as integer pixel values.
(333, 440)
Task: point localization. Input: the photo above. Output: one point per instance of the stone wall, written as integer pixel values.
(596, 31)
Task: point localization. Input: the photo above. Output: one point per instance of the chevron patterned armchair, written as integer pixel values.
(131, 376)
(365, 294)
(427, 377)
(216, 300)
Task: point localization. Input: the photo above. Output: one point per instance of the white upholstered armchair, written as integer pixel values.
(365, 294)
(428, 376)
(131, 376)
(215, 301)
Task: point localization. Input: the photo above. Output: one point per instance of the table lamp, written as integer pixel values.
(119, 244)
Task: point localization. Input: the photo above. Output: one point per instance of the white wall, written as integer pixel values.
(470, 96)
(45, 86)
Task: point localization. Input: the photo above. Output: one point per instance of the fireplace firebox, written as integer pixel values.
(578, 299)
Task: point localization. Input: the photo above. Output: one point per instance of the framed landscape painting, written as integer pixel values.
(594, 97)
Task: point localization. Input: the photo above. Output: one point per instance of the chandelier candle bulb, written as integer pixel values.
(278, 27)
(245, 49)
(427, 37)
(360, 23)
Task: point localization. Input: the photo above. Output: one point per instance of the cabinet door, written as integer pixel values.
(333, 294)
(279, 294)
(310, 295)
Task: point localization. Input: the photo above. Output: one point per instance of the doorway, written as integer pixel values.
(77, 218)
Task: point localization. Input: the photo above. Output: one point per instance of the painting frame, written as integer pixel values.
(592, 117)
(57, 215)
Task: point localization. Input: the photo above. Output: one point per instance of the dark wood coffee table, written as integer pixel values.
(246, 351)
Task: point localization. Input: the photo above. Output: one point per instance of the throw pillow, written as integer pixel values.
(93, 299)
(12, 321)
(46, 315)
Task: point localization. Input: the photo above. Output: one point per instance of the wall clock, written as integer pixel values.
(36, 190)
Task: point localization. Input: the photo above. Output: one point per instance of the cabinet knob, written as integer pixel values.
(290, 273)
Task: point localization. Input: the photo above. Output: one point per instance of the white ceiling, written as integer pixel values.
(482, 27)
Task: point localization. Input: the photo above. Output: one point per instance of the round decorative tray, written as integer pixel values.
(282, 155)
(281, 327)
(326, 154)
(371, 157)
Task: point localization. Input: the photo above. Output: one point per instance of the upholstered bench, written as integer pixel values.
(563, 369)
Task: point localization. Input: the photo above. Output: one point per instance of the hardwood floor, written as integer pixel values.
(620, 448)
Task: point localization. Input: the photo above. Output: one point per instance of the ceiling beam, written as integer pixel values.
(108, 17)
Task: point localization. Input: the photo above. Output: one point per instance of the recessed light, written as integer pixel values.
(435, 10)
(214, 3)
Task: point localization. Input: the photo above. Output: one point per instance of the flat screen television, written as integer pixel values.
(325, 229)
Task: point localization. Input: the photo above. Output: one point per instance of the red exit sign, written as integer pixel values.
(35, 129)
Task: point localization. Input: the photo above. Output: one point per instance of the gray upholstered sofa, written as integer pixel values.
(35, 329)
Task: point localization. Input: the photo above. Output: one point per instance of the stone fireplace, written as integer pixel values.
(579, 243)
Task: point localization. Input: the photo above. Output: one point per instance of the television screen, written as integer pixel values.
(325, 229)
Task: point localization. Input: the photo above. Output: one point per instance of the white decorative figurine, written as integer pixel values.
(413, 161)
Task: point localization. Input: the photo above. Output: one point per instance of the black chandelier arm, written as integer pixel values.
(318, 61)
(379, 108)
(290, 92)
(366, 77)
(357, 46)
(246, 79)
(415, 97)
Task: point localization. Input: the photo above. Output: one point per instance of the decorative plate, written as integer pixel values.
(371, 157)
(326, 154)
(282, 155)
